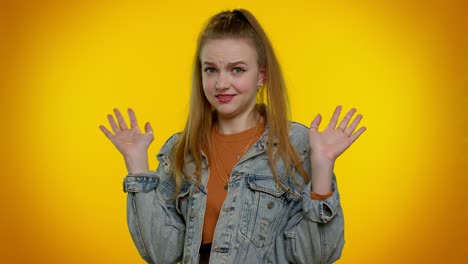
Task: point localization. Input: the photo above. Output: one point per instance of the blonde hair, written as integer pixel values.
(236, 24)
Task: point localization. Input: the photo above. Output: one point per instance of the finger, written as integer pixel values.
(148, 128)
(344, 123)
(114, 126)
(316, 122)
(133, 120)
(120, 118)
(334, 118)
(106, 132)
(354, 124)
(357, 134)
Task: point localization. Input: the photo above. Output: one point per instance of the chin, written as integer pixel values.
(226, 112)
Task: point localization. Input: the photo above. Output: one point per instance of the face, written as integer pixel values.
(231, 76)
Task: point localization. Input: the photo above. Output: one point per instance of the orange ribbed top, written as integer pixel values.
(228, 149)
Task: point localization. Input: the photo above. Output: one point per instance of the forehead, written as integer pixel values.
(226, 50)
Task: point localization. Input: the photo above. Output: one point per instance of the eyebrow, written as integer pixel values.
(229, 64)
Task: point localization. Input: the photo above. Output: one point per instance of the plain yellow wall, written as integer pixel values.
(69, 64)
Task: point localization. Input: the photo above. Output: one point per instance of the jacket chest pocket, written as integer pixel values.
(264, 210)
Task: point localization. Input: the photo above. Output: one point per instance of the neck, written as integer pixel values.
(239, 123)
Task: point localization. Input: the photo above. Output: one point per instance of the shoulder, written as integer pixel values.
(299, 138)
(298, 133)
(297, 127)
(164, 155)
(167, 147)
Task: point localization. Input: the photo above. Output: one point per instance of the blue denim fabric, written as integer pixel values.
(259, 221)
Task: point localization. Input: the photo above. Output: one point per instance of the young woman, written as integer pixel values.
(241, 183)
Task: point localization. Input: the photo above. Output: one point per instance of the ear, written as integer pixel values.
(261, 77)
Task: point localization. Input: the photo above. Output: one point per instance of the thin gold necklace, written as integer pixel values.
(246, 147)
(226, 182)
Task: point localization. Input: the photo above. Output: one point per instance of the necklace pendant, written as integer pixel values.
(225, 187)
(237, 156)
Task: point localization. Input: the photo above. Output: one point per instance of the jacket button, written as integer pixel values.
(192, 214)
(271, 205)
(187, 259)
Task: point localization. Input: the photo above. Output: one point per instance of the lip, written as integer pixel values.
(224, 98)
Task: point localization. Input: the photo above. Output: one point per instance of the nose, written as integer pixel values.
(222, 81)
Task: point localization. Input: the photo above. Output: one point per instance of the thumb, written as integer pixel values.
(148, 128)
(316, 122)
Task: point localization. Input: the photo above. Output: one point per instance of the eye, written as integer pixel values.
(238, 70)
(209, 70)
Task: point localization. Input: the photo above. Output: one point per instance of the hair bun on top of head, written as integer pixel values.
(229, 20)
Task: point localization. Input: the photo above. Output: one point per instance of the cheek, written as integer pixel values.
(205, 86)
(208, 84)
(247, 85)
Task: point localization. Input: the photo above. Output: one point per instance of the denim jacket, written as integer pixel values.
(259, 221)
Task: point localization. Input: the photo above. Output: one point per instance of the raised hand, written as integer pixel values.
(131, 142)
(333, 141)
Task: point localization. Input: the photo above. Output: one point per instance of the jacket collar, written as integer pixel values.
(260, 146)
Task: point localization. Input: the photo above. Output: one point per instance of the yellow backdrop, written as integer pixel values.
(67, 64)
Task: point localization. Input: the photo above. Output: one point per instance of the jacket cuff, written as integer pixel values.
(140, 182)
(321, 211)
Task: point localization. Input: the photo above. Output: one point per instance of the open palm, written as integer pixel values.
(333, 141)
(129, 141)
